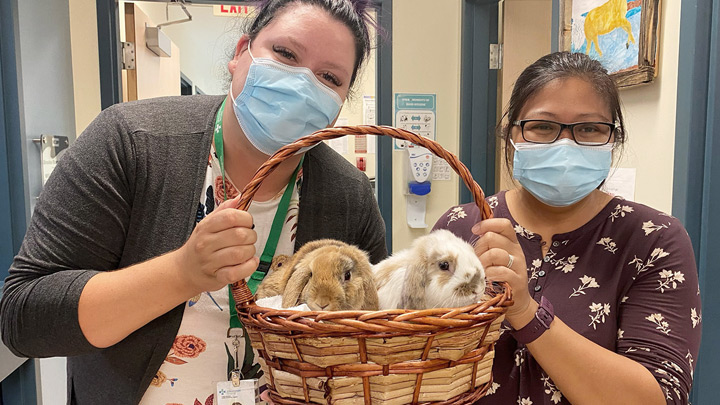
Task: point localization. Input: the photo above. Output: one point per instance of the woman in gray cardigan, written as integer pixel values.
(131, 234)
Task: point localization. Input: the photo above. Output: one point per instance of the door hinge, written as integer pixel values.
(496, 56)
(128, 55)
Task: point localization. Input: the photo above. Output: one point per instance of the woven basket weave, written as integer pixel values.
(439, 355)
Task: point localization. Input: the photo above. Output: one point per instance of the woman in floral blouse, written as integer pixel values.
(621, 276)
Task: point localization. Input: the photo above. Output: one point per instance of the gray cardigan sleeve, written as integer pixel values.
(78, 228)
(372, 226)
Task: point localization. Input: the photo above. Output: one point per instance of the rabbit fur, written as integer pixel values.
(274, 282)
(327, 275)
(439, 270)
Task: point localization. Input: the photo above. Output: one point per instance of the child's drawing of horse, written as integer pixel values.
(605, 19)
(607, 30)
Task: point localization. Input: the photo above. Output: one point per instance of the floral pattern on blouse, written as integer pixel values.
(626, 280)
(187, 346)
(207, 314)
(184, 347)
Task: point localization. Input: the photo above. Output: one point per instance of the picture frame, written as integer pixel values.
(628, 50)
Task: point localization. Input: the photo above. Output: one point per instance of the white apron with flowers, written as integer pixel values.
(202, 353)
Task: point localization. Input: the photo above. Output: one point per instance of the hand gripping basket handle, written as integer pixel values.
(240, 290)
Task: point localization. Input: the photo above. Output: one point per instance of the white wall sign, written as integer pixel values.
(621, 182)
(51, 148)
(441, 170)
(339, 144)
(369, 110)
(369, 118)
(415, 113)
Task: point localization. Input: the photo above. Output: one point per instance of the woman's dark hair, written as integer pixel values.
(560, 65)
(353, 13)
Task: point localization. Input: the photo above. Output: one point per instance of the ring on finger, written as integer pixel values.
(510, 261)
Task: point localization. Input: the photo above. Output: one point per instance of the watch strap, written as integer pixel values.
(538, 325)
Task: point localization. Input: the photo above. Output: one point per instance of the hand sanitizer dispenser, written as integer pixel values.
(419, 186)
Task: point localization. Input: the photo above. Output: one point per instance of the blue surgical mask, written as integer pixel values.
(561, 173)
(280, 104)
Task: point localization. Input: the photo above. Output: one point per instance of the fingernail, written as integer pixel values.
(253, 226)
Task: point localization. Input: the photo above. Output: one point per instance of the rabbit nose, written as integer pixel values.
(322, 307)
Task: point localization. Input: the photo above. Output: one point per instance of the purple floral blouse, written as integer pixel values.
(625, 280)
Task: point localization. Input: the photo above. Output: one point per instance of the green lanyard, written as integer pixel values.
(275, 229)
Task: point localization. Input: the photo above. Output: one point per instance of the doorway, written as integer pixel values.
(479, 94)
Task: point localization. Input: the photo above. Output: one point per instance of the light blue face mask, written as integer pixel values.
(561, 173)
(280, 104)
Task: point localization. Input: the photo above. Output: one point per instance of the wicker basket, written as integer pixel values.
(441, 355)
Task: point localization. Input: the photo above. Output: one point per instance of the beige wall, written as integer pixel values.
(650, 119)
(426, 59)
(85, 62)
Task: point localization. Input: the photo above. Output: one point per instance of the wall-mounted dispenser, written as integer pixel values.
(419, 186)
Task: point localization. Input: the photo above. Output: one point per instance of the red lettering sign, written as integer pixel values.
(232, 10)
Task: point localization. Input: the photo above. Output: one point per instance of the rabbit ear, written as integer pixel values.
(290, 264)
(295, 285)
(416, 278)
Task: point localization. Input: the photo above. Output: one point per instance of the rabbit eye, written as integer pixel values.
(444, 266)
(347, 275)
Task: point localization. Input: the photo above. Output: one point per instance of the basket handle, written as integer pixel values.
(240, 290)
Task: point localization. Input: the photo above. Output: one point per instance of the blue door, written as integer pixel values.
(696, 181)
(478, 94)
(19, 386)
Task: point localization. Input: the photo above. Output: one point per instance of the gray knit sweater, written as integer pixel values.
(128, 191)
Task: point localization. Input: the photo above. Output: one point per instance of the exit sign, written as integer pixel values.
(232, 11)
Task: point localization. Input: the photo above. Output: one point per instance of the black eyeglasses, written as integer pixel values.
(583, 133)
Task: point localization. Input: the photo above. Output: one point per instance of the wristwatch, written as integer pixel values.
(539, 324)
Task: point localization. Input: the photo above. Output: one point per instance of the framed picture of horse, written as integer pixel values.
(621, 34)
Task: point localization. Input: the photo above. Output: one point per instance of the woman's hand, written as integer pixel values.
(220, 250)
(497, 244)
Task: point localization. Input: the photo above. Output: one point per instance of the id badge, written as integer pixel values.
(242, 392)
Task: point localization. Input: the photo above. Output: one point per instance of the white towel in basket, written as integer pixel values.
(276, 303)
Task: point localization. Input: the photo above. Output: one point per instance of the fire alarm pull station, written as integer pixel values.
(360, 163)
